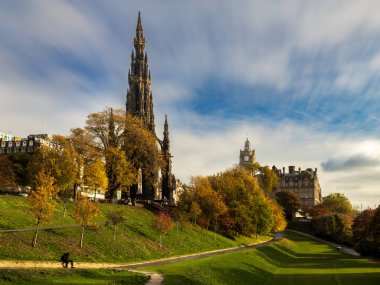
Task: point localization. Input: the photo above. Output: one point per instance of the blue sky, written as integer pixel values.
(301, 79)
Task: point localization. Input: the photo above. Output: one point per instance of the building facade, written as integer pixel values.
(304, 183)
(139, 103)
(11, 145)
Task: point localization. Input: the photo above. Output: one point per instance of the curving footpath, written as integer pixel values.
(155, 278)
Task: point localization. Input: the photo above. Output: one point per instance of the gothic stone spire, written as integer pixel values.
(167, 166)
(166, 141)
(139, 96)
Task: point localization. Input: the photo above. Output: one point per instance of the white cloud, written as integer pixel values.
(313, 49)
(285, 144)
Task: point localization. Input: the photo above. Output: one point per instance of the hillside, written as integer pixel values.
(136, 239)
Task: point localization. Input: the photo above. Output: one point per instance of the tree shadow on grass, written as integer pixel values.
(221, 276)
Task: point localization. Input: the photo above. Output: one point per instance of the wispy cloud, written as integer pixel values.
(300, 78)
(351, 162)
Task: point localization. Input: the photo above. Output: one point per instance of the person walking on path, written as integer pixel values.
(66, 260)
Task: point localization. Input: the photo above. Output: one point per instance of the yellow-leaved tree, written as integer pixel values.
(85, 211)
(41, 200)
(95, 176)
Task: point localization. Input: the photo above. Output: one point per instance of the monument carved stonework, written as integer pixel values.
(140, 104)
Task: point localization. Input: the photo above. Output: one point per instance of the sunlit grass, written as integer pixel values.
(136, 240)
(70, 276)
(294, 260)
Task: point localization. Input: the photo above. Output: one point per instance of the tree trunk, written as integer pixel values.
(81, 237)
(36, 234)
(160, 240)
(64, 209)
(114, 232)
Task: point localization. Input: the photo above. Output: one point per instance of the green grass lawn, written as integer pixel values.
(294, 260)
(70, 276)
(136, 239)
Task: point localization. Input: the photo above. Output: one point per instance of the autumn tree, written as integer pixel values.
(195, 211)
(7, 176)
(118, 134)
(335, 227)
(106, 127)
(289, 201)
(140, 147)
(361, 232)
(95, 175)
(163, 224)
(62, 161)
(279, 221)
(120, 172)
(41, 200)
(85, 211)
(87, 152)
(247, 210)
(115, 217)
(210, 201)
(375, 232)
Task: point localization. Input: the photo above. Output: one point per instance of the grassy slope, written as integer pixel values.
(65, 276)
(294, 260)
(136, 239)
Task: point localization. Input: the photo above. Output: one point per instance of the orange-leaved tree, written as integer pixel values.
(85, 211)
(163, 225)
(41, 200)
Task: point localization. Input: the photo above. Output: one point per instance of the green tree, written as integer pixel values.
(337, 203)
(85, 211)
(289, 201)
(115, 217)
(41, 200)
(268, 180)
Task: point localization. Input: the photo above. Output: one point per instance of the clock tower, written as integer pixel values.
(247, 156)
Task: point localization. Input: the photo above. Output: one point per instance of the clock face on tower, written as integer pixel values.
(246, 158)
